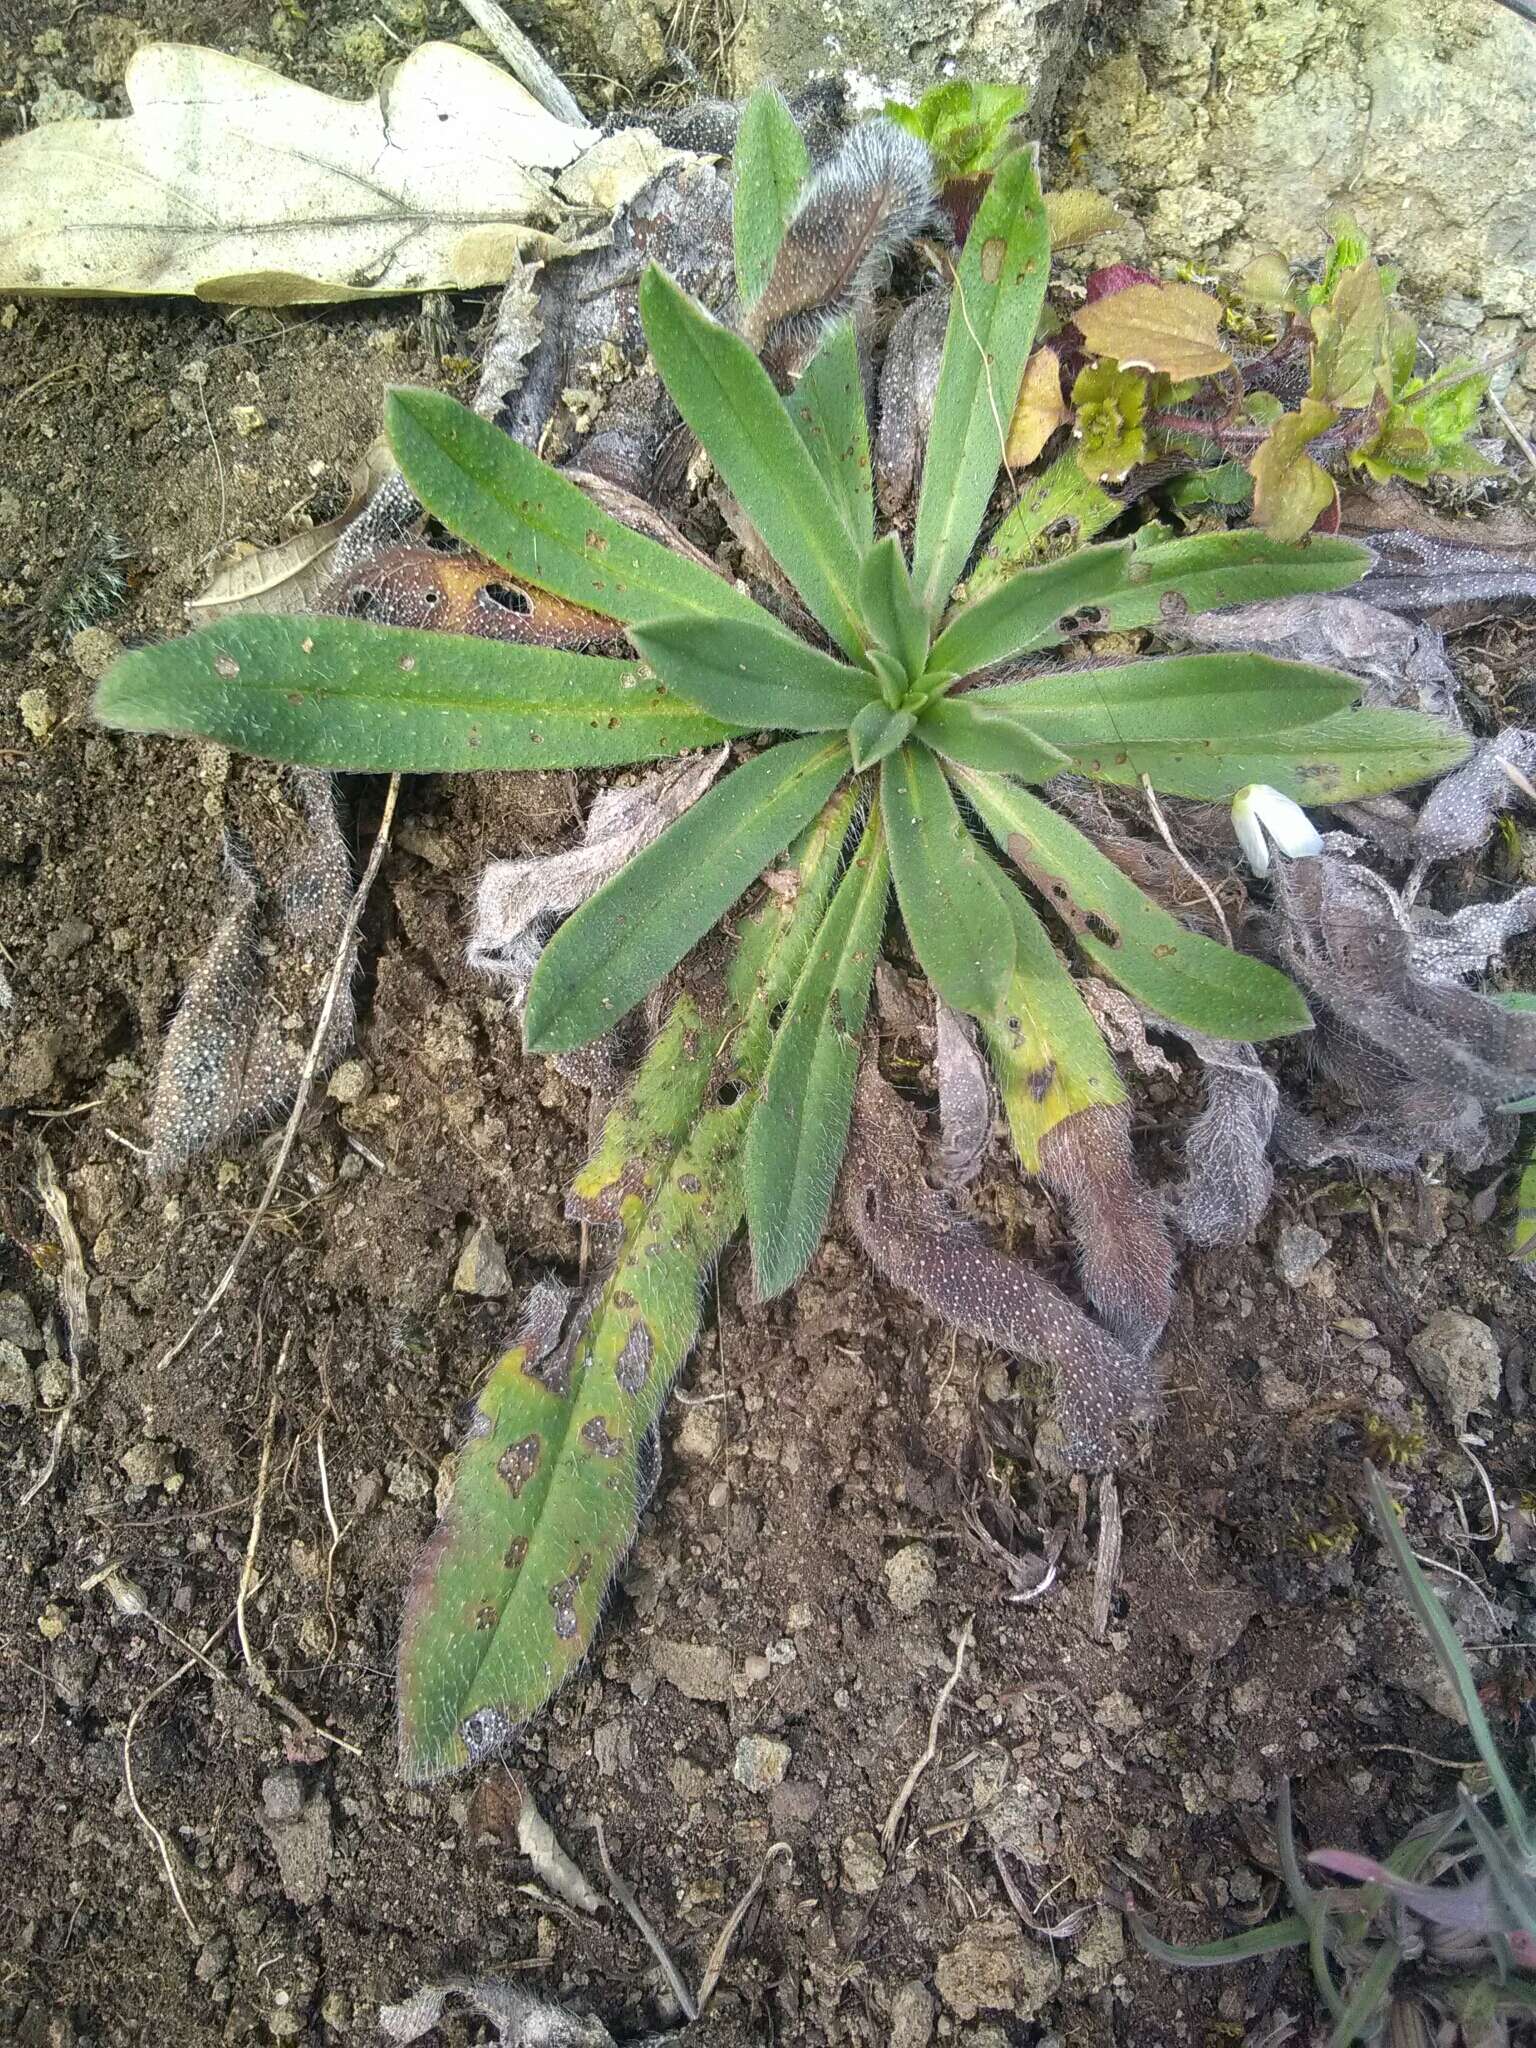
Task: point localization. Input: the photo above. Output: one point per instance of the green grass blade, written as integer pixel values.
(1309, 1905)
(1217, 1955)
(497, 495)
(1171, 969)
(506, 1599)
(770, 165)
(1367, 2002)
(951, 895)
(617, 947)
(1516, 1890)
(999, 288)
(827, 408)
(995, 740)
(799, 1129)
(770, 681)
(1123, 584)
(727, 397)
(338, 693)
(889, 609)
(1451, 1657)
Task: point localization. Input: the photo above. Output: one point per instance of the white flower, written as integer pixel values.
(1259, 814)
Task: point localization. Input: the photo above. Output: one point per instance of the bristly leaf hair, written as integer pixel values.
(858, 212)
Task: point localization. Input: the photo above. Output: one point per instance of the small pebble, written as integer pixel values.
(482, 1267)
(1297, 1250)
(36, 713)
(911, 1578)
(761, 1762)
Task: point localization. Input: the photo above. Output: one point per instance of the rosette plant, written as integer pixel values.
(891, 745)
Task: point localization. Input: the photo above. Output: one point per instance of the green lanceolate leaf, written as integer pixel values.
(827, 408)
(497, 495)
(999, 288)
(951, 895)
(727, 397)
(770, 165)
(1174, 971)
(799, 1129)
(1059, 497)
(619, 945)
(995, 739)
(1048, 1054)
(877, 731)
(506, 1599)
(772, 681)
(337, 693)
(1121, 584)
(890, 610)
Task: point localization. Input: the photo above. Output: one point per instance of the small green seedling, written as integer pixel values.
(889, 744)
(1443, 1930)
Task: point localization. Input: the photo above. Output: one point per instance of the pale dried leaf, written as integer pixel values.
(915, 1240)
(1228, 1180)
(966, 1104)
(1418, 572)
(1040, 409)
(1459, 811)
(1077, 216)
(1119, 1017)
(230, 183)
(1404, 665)
(521, 901)
(539, 1843)
(290, 575)
(520, 2019)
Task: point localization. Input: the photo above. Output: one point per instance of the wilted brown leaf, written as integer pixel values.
(1167, 327)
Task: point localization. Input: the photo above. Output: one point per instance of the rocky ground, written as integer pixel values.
(812, 1573)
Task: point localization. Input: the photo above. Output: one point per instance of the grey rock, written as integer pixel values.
(302, 1847)
(72, 1667)
(908, 44)
(16, 1389)
(282, 1794)
(1297, 1250)
(700, 1671)
(18, 1325)
(794, 1804)
(351, 1081)
(863, 1864)
(1457, 1358)
(911, 1578)
(912, 2015)
(148, 1462)
(69, 936)
(761, 1762)
(482, 1267)
(996, 1968)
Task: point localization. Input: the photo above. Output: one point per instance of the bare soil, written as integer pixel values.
(1252, 1629)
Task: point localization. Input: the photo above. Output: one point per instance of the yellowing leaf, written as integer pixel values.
(1167, 327)
(1040, 410)
(1350, 357)
(231, 183)
(1077, 216)
(1290, 490)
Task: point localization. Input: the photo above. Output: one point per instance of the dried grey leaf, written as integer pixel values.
(1403, 665)
(909, 384)
(1119, 1017)
(520, 2020)
(1419, 572)
(520, 902)
(1125, 1258)
(1229, 1180)
(965, 1099)
(1459, 811)
(914, 1239)
(231, 1056)
(538, 1842)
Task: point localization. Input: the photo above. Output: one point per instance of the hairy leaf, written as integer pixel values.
(1125, 1258)
(877, 731)
(1046, 1050)
(889, 608)
(994, 738)
(1168, 327)
(999, 288)
(727, 397)
(337, 693)
(560, 1458)
(1349, 364)
(1169, 968)
(799, 1127)
(770, 681)
(492, 492)
(1267, 1940)
(827, 407)
(1189, 697)
(1054, 513)
(1121, 584)
(954, 902)
(769, 166)
(617, 947)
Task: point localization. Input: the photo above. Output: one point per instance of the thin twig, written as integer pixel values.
(653, 1941)
(1494, 1516)
(1434, 1564)
(1193, 873)
(77, 1312)
(914, 1776)
(1106, 1568)
(524, 62)
(1508, 424)
(336, 1536)
(727, 1934)
(191, 1664)
(1064, 1930)
(306, 1079)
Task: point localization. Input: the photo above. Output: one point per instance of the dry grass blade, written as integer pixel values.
(1106, 1569)
(653, 1940)
(900, 1803)
(727, 1934)
(77, 1314)
(524, 62)
(354, 917)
